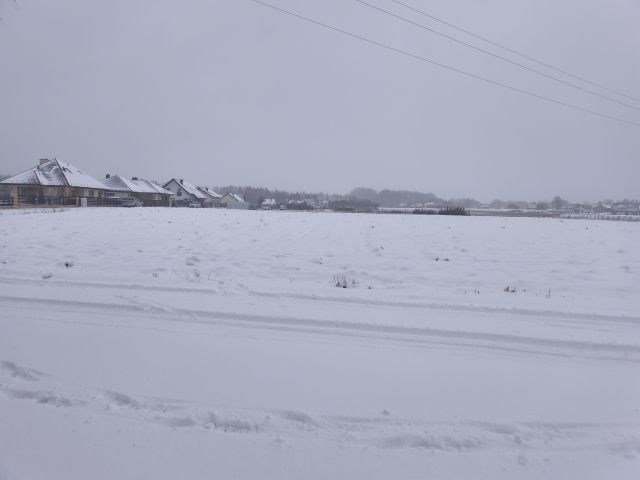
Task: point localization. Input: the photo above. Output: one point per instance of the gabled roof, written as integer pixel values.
(235, 196)
(210, 193)
(135, 185)
(151, 187)
(188, 187)
(116, 183)
(55, 173)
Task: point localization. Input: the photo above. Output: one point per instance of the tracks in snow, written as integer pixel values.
(23, 384)
(368, 302)
(100, 313)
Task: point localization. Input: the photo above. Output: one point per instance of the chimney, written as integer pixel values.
(181, 181)
(108, 175)
(43, 161)
(134, 178)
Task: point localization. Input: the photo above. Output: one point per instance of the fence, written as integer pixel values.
(29, 200)
(602, 216)
(38, 201)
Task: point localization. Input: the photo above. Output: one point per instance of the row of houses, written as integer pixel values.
(187, 195)
(618, 208)
(53, 182)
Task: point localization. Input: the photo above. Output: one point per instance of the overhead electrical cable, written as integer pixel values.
(444, 66)
(504, 59)
(515, 52)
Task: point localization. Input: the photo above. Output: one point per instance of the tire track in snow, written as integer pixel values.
(580, 316)
(424, 335)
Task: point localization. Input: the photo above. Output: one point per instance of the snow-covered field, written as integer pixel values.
(187, 343)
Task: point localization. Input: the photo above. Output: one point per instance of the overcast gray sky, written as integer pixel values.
(230, 92)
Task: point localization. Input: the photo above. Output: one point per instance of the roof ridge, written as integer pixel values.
(64, 175)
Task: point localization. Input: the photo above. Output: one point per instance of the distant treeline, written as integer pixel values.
(359, 199)
(367, 199)
(396, 198)
(300, 200)
(352, 205)
(256, 195)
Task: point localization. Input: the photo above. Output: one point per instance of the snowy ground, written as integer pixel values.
(166, 343)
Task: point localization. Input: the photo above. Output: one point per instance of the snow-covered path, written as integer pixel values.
(197, 344)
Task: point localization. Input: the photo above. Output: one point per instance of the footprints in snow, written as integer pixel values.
(157, 411)
(430, 442)
(17, 372)
(46, 398)
(22, 373)
(380, 432)
(192, 261)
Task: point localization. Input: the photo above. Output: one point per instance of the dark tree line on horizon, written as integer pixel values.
(396, 198)
(358, 198)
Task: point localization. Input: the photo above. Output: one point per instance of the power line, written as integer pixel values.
(442, 65)
(504, 59)
(515, 52)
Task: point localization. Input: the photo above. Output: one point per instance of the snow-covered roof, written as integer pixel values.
(117, 183)
(55, 173)
(154, 187)
(135, 185)
(189, 188)
(210, 193)
(234, 196)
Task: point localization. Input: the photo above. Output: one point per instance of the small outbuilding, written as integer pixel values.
(233, 200)
(269, 204)
(213, 199)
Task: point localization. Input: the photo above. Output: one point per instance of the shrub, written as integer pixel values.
(453, 211)
(340, 281)
(422, 211)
